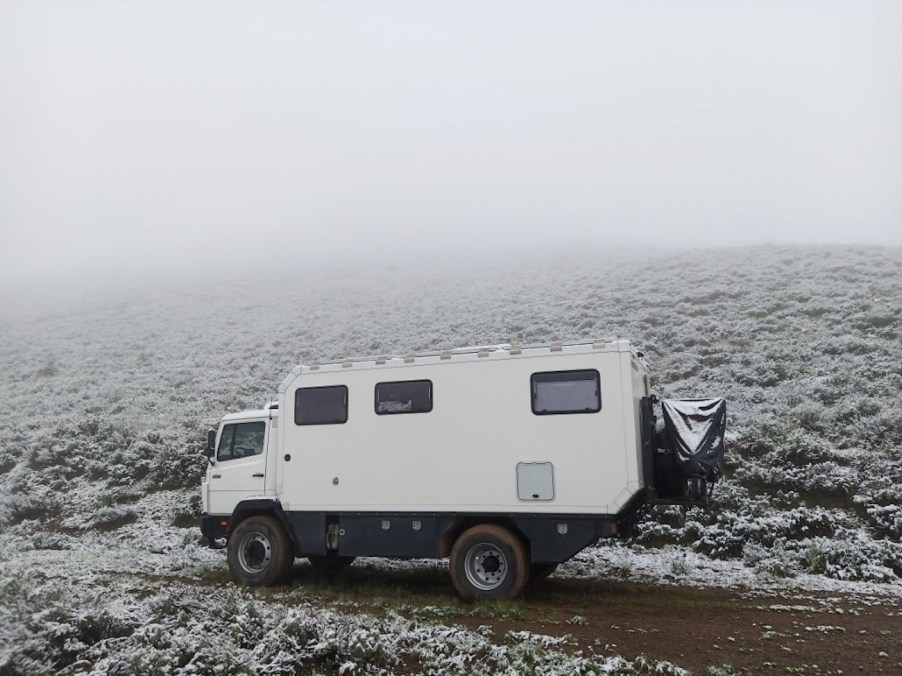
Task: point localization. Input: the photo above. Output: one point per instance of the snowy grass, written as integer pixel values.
(101, 607)
(105, 405)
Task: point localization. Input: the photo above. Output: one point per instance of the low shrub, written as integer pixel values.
(851, 558)
(39, 505)
(176, 467)
(111, 518)
(8, 459)
(887, 520)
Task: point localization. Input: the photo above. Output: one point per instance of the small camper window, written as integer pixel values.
(406, 396)
(555, 392)
(321, 405)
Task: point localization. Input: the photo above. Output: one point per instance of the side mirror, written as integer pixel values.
(211, 445)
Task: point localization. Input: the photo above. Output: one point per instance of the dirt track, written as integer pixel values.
(752, 631)
(696, 628)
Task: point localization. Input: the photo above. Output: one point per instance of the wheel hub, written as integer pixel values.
(486, 567)
(255, 552)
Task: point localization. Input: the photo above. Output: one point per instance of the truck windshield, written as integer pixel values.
(241, 440)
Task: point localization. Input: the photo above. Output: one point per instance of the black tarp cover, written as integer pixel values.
(696, 429)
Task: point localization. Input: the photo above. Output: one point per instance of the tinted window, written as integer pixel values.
(566, 392)
(241, 440)
(321, 405)
(407, 396)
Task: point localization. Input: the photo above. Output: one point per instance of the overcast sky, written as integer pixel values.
(141, 135)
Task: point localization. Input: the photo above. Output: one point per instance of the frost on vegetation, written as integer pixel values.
(95, 456)
(887, 520)
(8, 459)
(105, 406)
(104, 518)
(847, 559)
(49, 627)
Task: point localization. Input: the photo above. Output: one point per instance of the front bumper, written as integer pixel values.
(214, 528)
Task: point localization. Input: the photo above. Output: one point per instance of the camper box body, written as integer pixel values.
(480, 443)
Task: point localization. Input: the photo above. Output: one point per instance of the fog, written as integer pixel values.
(162, 136)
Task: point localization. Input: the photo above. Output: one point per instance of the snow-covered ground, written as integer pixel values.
(105, 402)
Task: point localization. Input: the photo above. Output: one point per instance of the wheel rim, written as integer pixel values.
(254, 552)
(486, 566)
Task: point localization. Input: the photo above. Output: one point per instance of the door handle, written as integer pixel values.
(216, 476)
(258, 475)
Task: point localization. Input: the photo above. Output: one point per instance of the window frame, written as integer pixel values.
(232, 426)
(322, 387)
(403, 382)
(533, 390)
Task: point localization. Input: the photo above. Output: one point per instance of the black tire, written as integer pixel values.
(331, 562)
(541, 571)
(489, 562)
(260, 553)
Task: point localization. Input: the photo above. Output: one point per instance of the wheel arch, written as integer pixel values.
(262, 507)
(462, 524)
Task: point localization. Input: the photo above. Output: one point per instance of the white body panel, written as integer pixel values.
(462, 456)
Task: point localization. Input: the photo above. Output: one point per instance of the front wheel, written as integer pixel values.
(259, 552)
(489, 562)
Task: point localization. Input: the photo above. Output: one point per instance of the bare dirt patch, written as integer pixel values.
(697, 628)
(751, 631)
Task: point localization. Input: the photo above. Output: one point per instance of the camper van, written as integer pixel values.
(508, 459)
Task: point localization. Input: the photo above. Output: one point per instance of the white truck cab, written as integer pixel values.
(508, 459)
(245, 444)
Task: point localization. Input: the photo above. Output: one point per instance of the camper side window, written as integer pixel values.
(406, 396)
(321, 405)
(555, 392)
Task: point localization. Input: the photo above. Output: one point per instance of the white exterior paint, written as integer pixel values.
(463, 455)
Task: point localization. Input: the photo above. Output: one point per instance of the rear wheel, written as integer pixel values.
(259, 552)
(489, 562)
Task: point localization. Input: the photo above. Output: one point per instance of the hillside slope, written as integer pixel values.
(104, 403)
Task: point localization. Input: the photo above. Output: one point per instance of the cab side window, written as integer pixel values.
(241, 440)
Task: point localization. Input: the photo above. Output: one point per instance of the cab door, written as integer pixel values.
(239, 469)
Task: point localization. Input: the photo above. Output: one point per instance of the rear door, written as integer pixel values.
(239, 470)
